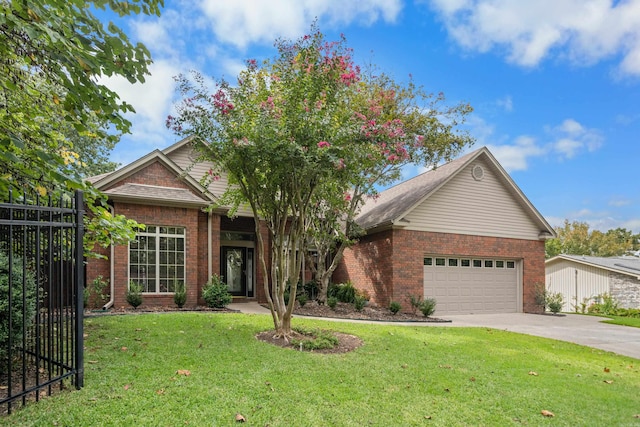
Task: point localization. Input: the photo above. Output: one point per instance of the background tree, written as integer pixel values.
(575, 238)
(297, 135)
(52, 107)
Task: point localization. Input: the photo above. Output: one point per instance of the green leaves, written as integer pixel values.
(53, 51)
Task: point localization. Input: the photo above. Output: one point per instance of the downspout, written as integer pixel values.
(112, 287)
(209, 247)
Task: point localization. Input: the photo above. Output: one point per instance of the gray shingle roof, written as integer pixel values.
(626, 265)
(395, 201)
(152, 193)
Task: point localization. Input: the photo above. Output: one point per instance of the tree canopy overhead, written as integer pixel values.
(51, 104)
(57, 123)
(309, 129)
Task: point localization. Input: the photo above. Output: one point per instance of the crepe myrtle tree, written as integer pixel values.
(395, 125)
(288, 135)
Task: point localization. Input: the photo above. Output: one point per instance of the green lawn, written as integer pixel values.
(402, 376)
(625, 321)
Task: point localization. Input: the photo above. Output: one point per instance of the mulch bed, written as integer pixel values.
(346, 342)
(370, 313)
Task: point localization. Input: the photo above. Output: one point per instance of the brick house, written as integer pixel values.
(183, 243)
(463, 233)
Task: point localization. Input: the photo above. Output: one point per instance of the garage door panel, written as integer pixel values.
(462, 290)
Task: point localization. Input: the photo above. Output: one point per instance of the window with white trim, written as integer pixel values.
(157, 259)
(440, 262)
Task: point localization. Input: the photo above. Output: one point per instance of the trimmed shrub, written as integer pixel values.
(415, 301)
(180, 295)
(332, 302)
(359, 303)
(302, 299)
(554, 302)
(22, 298)
(346, 293)
(395, 307)
(216, 293)
(134, 294)
(428, 307)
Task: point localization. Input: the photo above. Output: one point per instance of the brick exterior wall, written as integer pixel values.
(161, 216)
(388, 264)
(196, 224)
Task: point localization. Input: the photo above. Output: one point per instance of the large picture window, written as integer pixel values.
(156, 259)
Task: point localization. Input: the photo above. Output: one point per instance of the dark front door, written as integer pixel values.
(234, 260)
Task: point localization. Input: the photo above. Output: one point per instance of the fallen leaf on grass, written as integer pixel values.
(472, 379)
(184, 372)
(607, 370)
(608, 381)
(240, 418)
(160, 392)
(124, 349)
(547, 413)
(636, 416)
(427, 417)
(404, 366)
(444, 366)
(535, 374)
(93, 362)
(127, 386)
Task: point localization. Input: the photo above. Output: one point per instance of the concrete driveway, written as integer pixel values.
(584, 330)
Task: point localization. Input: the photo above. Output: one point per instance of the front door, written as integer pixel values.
(237, 270)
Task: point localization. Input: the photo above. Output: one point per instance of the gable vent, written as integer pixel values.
(477, 172)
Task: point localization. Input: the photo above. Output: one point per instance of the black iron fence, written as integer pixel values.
(41, 296)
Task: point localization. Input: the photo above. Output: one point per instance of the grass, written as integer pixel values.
(625, 321)
(137, 366)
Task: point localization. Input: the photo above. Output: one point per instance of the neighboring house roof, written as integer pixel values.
(623, 265)
(393, 204)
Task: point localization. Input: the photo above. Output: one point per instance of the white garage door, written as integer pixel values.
(472, 285)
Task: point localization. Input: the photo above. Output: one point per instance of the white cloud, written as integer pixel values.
(527, 32)
(505, 103)
(515, 156)
(570, 138)
(152, 101)
(241, 22)
(619, 202)
(565, 141)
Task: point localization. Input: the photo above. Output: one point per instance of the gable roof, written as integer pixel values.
(133, 192)
(624, 265)
(393, 204)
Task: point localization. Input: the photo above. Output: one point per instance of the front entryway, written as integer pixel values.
(237, 270)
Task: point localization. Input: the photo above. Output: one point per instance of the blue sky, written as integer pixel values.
(555, 84)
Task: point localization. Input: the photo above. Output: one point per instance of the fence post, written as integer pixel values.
(79, 276)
